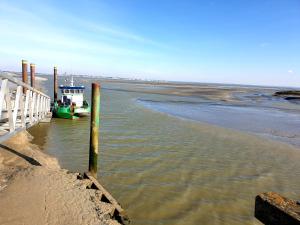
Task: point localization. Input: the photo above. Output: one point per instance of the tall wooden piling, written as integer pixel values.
(55, 84)
(32, 74)
(24, 74)
(94, 129)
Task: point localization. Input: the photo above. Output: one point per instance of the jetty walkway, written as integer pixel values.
(21, 106)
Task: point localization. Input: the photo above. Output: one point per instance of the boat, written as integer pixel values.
(72, 104)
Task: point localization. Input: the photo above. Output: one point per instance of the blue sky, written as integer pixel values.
(249, 42)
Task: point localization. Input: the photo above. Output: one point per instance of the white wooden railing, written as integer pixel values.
(20, 111)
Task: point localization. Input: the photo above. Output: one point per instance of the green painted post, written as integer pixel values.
(94, 129)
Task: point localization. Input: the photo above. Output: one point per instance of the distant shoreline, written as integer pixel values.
(161, 82)
(288, 95)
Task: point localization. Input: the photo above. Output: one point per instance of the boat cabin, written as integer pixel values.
(72, 94)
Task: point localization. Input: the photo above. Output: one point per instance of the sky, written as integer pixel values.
(234, 41)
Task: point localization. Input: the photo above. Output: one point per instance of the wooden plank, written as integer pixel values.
(273, 209)
(22, 102)
(17, 102)
(37, 107)
(27, 103)
(47, 106)
(42, 108)
(22, 109)
(31, 108)
(9, 110)
(2, 94)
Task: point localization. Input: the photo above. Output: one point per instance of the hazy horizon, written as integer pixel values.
(153, 80)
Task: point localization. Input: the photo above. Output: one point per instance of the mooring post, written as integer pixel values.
(32, 74)
(55, 84)
(24, 74)
(94, 129)
(273, 209)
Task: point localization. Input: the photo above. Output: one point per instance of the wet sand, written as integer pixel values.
(229, 106)
(35, 190)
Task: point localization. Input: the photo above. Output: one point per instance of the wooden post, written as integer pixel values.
(55, 84)
(24, 74)
(94, 129)
(32, 74)
(274, 209)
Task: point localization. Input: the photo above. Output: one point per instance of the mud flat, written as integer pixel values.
(288, 95)
(34, 189)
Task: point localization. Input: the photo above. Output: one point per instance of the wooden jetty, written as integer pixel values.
(23, 106)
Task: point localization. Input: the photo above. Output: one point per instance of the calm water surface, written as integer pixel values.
(168, 170)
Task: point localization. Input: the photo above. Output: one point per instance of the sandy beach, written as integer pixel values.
(35, 190)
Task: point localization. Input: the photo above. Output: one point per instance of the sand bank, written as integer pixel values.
(35, 190)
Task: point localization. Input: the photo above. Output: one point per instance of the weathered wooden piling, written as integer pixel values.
(55, 84)
(94, 129)
(32, 74)
(273, 209)
(24, 74)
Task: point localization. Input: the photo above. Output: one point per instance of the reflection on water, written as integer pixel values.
(40, 133)
(165, 170)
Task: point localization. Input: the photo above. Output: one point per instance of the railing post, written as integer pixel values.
(32, 74)
(94, 129)
(26, 104)
(24, 74)
(17, 106)
(2, 94)
(37, 107)
(55, 84)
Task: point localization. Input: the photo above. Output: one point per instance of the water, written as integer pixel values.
(167, 163)
(273, 123)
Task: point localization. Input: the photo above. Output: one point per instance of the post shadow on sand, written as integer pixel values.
(32, 161)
